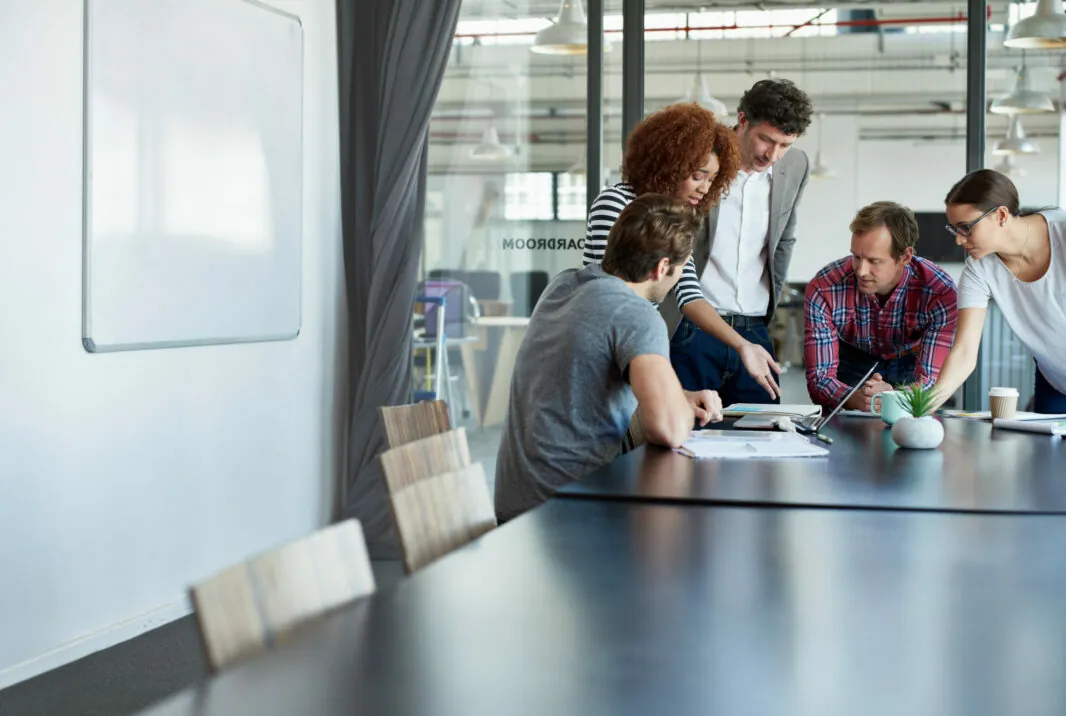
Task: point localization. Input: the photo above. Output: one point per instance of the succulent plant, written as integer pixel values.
(917, 400)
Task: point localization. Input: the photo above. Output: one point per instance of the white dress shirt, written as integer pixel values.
(737, 277)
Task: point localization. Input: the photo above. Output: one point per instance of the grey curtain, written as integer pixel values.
(391, 58)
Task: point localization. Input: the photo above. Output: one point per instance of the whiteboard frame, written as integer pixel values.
(87, 341)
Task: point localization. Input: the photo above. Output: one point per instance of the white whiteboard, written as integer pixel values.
(193, 173)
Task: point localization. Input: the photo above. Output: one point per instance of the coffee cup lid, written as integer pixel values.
(1003, 392)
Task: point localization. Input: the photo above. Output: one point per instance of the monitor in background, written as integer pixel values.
(935, 242)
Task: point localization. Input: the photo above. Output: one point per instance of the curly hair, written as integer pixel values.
(780, 103)
(673, 143)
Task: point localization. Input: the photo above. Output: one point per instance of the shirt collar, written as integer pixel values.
(767, 175)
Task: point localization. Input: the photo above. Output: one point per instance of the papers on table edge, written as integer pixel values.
(1046, 424)
(749, 444)
(987, 415)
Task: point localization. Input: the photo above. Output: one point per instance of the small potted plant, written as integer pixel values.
(920, 430)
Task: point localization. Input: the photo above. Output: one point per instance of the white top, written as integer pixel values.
(737, 278)
(1035, 311)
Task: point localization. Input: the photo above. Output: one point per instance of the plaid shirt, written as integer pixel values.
(918, 318)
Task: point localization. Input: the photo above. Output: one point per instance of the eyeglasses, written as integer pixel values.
(967, 229)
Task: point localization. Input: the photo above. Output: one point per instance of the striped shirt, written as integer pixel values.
(918, 318)
(605, 210)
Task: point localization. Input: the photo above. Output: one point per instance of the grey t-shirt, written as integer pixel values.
(570, 398)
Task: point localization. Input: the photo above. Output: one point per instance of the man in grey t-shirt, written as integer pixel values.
(597, 352)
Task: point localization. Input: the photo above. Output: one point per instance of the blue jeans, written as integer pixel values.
(705, 363)
(853, 363)
(1045, 398)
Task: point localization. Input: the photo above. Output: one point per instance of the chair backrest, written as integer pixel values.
(485, 285)
(407, 464)
(634, 434)
(407, 423)
(448, 274)
(441, 513)
(246, 608)
(526, 288)
(459, 308)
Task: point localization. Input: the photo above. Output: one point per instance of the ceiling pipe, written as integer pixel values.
(884, 22)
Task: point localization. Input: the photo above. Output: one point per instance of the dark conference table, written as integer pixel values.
(976, 469)
(591, 608)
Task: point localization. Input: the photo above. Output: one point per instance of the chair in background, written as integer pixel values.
(485, 285)
(526, 288)
(407, 464)
(441, 513)
(460, 308)
(447, 275)
(634, 434)
(787, 329)
(459, 325)
(246, 608)
(407, 423)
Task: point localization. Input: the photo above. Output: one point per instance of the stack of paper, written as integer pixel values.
(793, 411)
(733, 445)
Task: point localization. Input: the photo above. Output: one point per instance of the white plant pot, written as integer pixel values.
(918, 433)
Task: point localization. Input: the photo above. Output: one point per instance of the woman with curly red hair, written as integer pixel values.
(684, 152)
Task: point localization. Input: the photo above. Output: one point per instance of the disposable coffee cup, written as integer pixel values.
(1003, 402)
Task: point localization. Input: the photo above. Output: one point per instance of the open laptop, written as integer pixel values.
(814, 425)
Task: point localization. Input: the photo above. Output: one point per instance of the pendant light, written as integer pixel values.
(568, 35)
(697, 91)
(821, 170)
(1043, 30)
(1008, 168)
(489, 148)
(1021, 99)
(1016, 142)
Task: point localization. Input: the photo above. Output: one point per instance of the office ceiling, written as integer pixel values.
(900, 86)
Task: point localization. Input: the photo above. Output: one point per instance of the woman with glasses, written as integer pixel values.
(1017, 259)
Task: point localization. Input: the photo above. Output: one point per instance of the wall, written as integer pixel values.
(125, 477)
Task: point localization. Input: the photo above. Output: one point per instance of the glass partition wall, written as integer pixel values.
(894, 93)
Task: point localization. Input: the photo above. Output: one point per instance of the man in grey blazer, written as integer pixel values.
(743, 255)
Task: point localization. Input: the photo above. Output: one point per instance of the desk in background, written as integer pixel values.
(489, 365)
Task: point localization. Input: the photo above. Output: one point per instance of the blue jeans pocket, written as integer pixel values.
(686, 329)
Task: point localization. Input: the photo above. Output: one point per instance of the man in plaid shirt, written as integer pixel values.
(880, 304)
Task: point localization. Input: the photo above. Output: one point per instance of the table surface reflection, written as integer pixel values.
(976, 469)
(619, 608)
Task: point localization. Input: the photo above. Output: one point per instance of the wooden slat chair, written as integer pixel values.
(407, 464)
(634, 435)
(246, 608)
(441, 513)
(406, 423)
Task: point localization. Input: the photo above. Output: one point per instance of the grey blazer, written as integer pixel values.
(790, 178)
